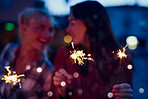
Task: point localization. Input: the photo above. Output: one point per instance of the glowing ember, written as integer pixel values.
(12, 77)
(79, 55)
(121, 53)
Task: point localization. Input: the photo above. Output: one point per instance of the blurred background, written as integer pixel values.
(129, 20)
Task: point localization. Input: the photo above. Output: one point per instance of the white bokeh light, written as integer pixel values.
(129, 66)
(50, 94)
(75, 75)
(70, 93)
(63, 83)
(39, 69)
(80, 91)
(141, 90)
(28, 67)
(132, 42)
(110, 95)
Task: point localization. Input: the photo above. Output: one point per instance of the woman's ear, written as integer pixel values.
(23, 28)
(22, 31)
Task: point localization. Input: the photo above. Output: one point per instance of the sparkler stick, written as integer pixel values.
(12, 77)
(79, 55)
(121, 54)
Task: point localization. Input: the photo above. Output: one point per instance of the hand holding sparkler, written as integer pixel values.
(61, 80)
(121, 54)
(79, 55)
(122, 90)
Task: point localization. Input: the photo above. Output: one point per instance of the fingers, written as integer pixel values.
(123, 95)
(130, 91)
(60, 76)
(62, 71)
(122, 91)
(122, 86)
(63, 74)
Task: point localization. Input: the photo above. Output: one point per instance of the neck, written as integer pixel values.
(27, 53)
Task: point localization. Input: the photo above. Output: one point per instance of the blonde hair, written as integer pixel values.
(27, 14)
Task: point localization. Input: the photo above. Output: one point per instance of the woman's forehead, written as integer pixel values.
(71, 17)
(39, 20)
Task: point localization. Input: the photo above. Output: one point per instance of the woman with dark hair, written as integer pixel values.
(91, 31)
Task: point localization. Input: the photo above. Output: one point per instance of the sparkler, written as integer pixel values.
(12, 77)
(79, 55)
(121, 54)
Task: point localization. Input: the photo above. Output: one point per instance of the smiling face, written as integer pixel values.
(77, 30)
(37, 33)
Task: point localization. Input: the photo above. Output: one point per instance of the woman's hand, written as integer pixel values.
(122, 91)
(61, 76)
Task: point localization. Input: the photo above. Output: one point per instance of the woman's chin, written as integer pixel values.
(41, 48)
(76, 43)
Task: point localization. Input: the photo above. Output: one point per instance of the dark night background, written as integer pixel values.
(126, 20)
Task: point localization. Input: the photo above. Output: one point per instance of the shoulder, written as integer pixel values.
(8, 53)
(9, 49)
(10, 46)
(49, 64)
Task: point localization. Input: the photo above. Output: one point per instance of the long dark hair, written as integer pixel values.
(102, 40)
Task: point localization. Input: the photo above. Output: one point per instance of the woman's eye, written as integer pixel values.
(72, 22)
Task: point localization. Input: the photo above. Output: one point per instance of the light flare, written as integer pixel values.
(121, 52)
(12, 77)
(79, 55)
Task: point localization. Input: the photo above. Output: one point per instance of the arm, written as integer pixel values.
(61, 80)
(60, 72)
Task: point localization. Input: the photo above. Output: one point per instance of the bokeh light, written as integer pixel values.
(67, 38)
(9, 26)
(141, 90)
(28, 67)
(129, 66)
(70, 93)
(80, 91)
(50, 93)
(63, 83)
(110, 95)
(75, 75)
(132, 42)
(39, 69)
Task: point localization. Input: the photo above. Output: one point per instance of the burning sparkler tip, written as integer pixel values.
(12, 77)
(79, 55)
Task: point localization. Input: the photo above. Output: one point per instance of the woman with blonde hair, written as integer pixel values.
(35, 32)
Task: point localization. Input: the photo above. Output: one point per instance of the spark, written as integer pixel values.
(121, 52)
(12, 77)
(79, 55)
